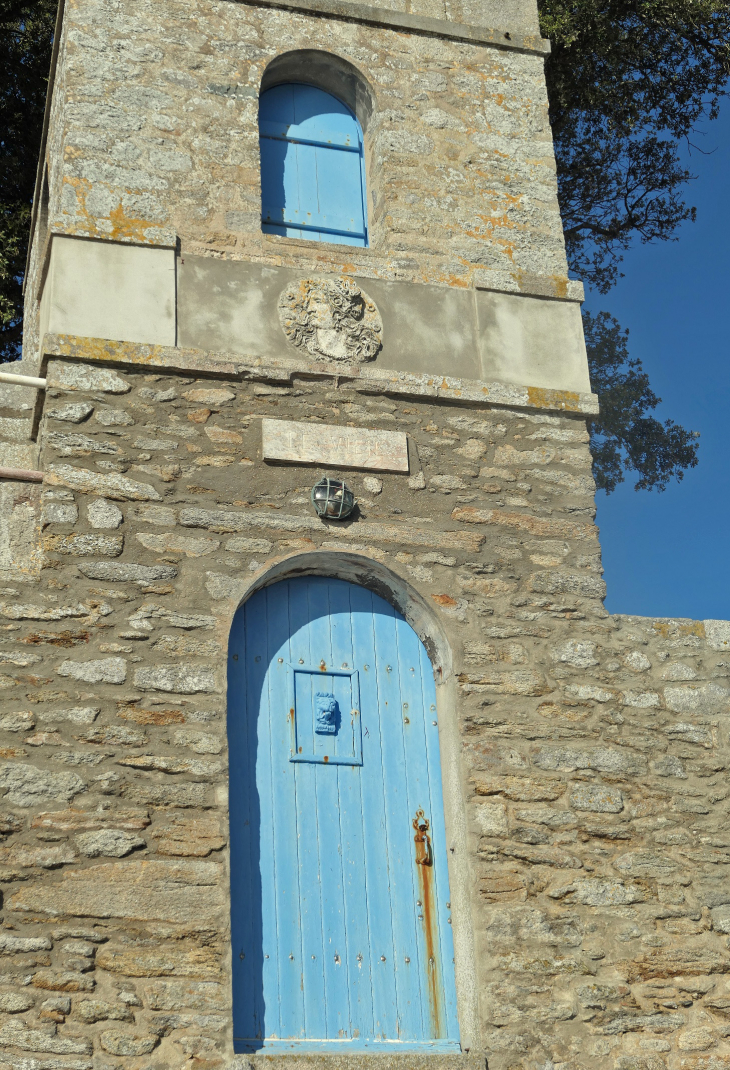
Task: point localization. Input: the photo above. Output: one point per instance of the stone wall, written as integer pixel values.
(154, 139)
(592, 749)
(584, 755)
(20, 503)
(604, 856)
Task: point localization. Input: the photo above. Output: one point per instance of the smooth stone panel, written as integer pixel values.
(231, 307)
(341, 447)
(426, 328)
(532, 340)
(104, 289)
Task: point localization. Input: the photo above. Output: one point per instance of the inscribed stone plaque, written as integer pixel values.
(336, 447)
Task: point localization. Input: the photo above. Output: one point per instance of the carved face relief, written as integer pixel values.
(326, 713)
(331, 318)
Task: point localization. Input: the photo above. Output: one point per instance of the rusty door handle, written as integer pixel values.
(422, 840)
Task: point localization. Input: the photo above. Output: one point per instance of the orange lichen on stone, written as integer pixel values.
(129, 227)
(561, 285)
(686, 627)
(118, 226)
(549, 285)
(157, 717)
(102, 349)
(542, 398)
(199, 416)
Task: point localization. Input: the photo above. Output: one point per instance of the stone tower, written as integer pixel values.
(190, 377)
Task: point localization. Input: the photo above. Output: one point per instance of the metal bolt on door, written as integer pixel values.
(339, 885)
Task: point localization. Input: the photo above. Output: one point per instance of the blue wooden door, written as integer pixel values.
(340, 913)
(312, 167)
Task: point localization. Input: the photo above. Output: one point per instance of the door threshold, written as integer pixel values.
(422, 1059)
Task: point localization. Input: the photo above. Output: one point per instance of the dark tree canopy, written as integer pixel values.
(26, 34)
(628, 82)
(625, 437)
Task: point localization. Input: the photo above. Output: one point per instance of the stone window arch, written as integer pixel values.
(314, 110)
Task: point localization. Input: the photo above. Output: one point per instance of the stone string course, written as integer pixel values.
(594, 749)
(365, 379)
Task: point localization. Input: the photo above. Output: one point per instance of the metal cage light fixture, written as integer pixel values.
(332, 499)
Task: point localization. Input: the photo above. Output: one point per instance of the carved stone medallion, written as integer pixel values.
(331, 318)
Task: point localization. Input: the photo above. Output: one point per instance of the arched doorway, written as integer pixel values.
(341, 932)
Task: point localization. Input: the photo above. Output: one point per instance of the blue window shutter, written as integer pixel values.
(312, 173)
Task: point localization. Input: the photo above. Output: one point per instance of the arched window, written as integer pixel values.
(312, 166)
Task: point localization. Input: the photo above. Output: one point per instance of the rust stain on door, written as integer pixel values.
(427, 916)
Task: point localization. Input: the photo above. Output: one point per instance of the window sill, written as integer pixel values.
(331, 248)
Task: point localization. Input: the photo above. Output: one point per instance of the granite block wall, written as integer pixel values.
(153, 138)
(592, 750)
(587, 754)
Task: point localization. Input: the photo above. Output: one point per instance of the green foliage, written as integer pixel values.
(26, 34)
(624, 437)
(628, 82)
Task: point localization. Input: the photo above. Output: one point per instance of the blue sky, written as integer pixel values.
(667, 555)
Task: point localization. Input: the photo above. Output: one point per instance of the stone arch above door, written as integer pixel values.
(375, 576)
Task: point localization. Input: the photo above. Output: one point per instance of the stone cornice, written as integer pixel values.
(366, 379)
(422, 24)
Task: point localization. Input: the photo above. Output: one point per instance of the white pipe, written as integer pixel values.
(22, 380)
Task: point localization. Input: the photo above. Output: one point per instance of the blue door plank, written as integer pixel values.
(446, 982)
(243, 839)
(286, 1000)
(277, 104)
(324, 650)
(322, 134)
(312, 975)
(278, 179)
(376, 848)
(363, 194)
(418, 797)
(314, 106)
(304, 208)
(324, 121)
(257, 657)
(355, 966)
(398, 828)
(419, 793)
(260, 627)
(338, 188)
(318, 186)
(339, 1013)
(314, 235)
(261, 867)
(356, 959)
